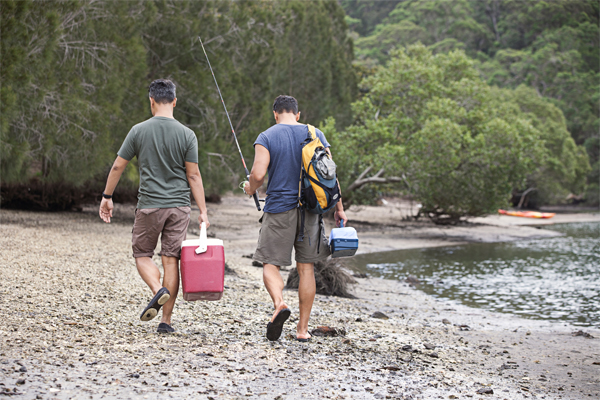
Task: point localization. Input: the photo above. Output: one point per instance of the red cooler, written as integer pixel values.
(202, 268)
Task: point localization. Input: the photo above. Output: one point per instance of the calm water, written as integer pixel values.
(553, 279)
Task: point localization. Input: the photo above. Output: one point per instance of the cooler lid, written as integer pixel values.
(343, 233)
(196, 242)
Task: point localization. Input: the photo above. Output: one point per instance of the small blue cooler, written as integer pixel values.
(343, 242)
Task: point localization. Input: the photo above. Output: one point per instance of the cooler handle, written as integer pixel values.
(203, 240)
(341, 223)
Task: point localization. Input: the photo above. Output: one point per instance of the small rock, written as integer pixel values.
(257, 264)
(22, 369)
(582, 333)
(412, 280)
(433, 355)
(20, 381)
(347, 341)
(464, 327)
(485, 390)
(429, 346)
(379, 315)
(407, 347)
(328, 331)
(360, 275)
(359, 319)
(135, 375)
(446, 322)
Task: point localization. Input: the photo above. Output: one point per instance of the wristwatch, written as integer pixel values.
(106, 196)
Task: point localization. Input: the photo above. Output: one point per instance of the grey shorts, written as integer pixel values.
(279, 234)
(170, 223)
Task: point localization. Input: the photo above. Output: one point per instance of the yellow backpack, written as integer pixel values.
(318, 189)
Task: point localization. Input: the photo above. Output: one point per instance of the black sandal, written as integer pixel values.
(163, 327)
(274, 328)
(159, 299)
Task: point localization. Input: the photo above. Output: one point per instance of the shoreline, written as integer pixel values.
(79, 352)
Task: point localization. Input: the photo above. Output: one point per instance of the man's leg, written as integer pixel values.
(171, 282)
(306, 295)
(274, 285)
(149, 273)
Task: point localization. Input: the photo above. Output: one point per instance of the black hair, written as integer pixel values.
(285, 103)
(162, 91)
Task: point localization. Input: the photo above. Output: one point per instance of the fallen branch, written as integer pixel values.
(524, 196)
(377, 178)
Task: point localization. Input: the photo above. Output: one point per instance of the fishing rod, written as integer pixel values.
(255, 195)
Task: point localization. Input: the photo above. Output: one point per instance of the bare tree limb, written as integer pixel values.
(377, 178)
(524, 196)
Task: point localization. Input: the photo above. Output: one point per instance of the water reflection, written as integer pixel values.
(554, 278)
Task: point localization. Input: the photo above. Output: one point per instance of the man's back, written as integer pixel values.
(162, 146)
(284, 143)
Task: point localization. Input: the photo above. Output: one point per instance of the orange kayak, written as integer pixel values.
(527, 214)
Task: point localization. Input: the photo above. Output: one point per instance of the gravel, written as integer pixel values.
(71, 297)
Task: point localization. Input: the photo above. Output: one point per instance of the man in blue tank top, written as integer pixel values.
(278, 152)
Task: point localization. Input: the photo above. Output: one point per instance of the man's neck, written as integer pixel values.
(287, 119)
(166, 112)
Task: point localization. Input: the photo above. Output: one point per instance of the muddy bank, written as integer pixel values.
(71, 297)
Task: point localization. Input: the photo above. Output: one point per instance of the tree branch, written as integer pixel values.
(377, 178)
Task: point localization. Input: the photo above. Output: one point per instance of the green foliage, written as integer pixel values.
(445, 137)
(75, 77)
(366, 14)
(565, 165)
(551, 46)
(69, 68)
(592, 194)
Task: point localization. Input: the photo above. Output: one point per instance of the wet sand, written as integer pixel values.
(71, 298)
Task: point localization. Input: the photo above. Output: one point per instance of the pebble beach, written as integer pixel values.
(71, 297)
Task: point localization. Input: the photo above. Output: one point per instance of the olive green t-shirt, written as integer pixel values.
(162, 146)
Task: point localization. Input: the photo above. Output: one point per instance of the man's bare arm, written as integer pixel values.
(339, 214)
(106, 206)
(262, 158)
(192, 172)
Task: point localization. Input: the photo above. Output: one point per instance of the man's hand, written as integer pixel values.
(339, 216)
(247, 189)
(203, 218)
(106, 210)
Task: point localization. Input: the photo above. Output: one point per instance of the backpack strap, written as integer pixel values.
(312, 132)
(313, 135)
(301, 232)
(320, 232)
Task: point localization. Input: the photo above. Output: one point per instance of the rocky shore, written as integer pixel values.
(70, 298)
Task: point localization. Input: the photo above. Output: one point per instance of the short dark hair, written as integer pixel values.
(162, 91)
(285, 103)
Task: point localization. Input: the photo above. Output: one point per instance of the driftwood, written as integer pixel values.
(331, 279)
(377, 178)
(524, 196)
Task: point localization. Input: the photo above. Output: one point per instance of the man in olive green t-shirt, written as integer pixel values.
(167, 154)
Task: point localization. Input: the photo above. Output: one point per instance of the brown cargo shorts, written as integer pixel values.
(170, 223)
(279, 234)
